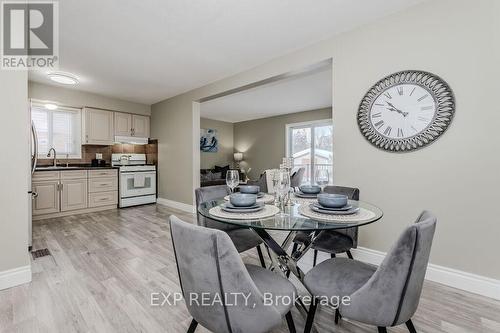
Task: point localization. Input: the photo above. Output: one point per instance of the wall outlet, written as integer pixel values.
(98, 156)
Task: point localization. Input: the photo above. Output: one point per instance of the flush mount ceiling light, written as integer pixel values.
(63, 78)
(51, 106)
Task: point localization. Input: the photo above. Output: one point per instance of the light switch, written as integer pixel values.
(98, 156)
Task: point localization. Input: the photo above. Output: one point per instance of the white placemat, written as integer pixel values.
(267, 199)
(362, 215)
(300, 200)
(267, 211)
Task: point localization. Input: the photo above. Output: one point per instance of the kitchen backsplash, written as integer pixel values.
(89, 151)
(151, 150)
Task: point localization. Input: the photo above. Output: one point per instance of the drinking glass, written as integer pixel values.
(322, 178)
(232, 179)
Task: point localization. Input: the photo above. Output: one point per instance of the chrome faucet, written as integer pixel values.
(55, 155)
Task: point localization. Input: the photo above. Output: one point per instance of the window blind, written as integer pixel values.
(59, 129)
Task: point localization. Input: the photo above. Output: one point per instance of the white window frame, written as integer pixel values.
(41, 104)
(305, 124)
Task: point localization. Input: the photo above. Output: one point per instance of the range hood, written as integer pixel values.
(131, 139)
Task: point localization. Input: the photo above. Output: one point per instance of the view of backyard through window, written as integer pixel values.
(311, 146)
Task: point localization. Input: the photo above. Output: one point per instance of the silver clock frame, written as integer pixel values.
(439, 90)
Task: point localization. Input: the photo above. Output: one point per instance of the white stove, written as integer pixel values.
(137, 180)
(133, 168)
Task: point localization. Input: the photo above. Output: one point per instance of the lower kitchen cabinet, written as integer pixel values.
(66, 192)
(103, 199)
(46, 199)
(73, 194)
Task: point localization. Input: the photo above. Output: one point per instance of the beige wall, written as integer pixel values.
(224, 156)
(15, 170)
(72, 97)
(176, 125)
(457, 40)
(263, 141)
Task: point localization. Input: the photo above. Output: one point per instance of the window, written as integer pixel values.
(310, 145)
(59, 129)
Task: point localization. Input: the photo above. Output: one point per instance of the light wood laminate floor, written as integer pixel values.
(104, 267)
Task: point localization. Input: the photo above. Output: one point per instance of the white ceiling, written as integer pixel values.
(303, 92)
(149, 50)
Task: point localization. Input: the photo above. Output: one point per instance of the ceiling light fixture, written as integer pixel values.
(50, 106)
(63, 78)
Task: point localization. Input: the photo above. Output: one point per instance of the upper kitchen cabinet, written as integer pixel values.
(123, 124)
(97, 127)
(127, 124)
(140, 126)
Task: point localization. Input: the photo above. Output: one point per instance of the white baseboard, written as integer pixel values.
(15, 277)
(473, 283)
(177, 205)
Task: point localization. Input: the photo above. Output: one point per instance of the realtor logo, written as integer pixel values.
(29, 36)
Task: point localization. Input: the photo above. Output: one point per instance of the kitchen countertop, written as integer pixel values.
(69, 168)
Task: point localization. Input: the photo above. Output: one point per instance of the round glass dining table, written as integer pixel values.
(292, 221)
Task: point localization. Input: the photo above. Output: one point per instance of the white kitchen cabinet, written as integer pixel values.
(97, 127)
(140, 126)
(123, 124)
(103, 184)
(73, 194)
(67, 192)
(99, 199)
(127, 124)
(46, 197)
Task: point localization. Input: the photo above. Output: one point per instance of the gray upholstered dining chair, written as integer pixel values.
(385, 296)
(332, 241)
(209, 265)
(296, 177)
(261, 182)
(244, 239)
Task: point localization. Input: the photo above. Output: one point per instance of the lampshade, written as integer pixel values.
(238, 157)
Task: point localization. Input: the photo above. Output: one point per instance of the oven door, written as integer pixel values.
(131, 184)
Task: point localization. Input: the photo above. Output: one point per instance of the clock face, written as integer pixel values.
(402, 111)
(406, 111)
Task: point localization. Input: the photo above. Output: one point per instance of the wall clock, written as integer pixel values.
(406, 111)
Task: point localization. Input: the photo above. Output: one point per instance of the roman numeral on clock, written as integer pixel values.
(388, 130)
(400, 91)
(386, 94)
(423, 119)
(422, 98)
(400, 133)
(426, 108)
(379, 124)
(377, 115)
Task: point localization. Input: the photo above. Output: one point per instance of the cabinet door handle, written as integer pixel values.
(34, 195)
